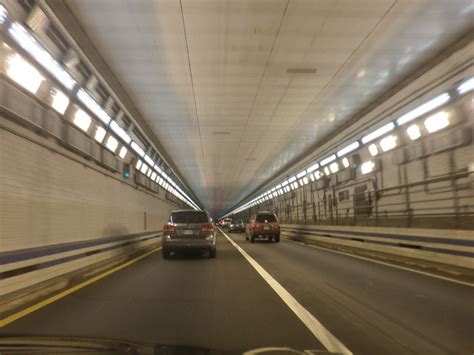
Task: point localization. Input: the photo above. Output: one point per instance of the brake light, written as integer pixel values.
(167, 228)
(207, 228)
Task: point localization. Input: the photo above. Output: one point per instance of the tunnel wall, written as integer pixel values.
(48, 198)
(422, 183)
(62, 215)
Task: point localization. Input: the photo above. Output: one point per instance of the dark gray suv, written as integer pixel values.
(189, 230)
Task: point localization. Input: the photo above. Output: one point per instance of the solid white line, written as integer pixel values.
(465, 283)
(330, 342)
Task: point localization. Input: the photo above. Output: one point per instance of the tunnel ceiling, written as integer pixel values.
(236, 90)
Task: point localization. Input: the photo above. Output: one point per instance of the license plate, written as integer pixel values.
(266, 227)
(188, 232)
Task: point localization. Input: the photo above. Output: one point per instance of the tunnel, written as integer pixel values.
(237, 176)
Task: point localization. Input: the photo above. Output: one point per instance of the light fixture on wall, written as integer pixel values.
(388, 143)
(373, 150)
(59, 101)
(367, 167)
(414, 132)
(82, 120)
(437, 121)
(24, 73)
(424, 108)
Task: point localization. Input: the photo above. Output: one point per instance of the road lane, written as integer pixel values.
(372, 308)
(217, 303)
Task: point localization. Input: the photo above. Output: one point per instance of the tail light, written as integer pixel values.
(207, 228)
(167, 228)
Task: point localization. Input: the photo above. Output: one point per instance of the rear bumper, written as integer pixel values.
(266, 233)
(180, 244)
(237, 229)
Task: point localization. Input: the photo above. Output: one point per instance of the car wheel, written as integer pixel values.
(165, 253)
(212, 253)
(252, 239)
(276, 239)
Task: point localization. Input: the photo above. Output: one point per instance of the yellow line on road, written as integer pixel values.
(44, 303)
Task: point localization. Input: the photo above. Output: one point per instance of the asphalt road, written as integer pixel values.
(224, 304)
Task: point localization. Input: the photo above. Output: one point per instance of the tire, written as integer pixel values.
(276, 239)
(166, 253)
(252, 239)
(212, 253)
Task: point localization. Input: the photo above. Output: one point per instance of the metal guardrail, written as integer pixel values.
(435, 246)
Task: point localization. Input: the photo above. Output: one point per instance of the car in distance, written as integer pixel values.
(263, 225)
(236, 226)
(189, 230)
(225, 223)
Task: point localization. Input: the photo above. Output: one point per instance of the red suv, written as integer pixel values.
(263, 224)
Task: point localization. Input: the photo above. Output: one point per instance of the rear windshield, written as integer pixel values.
(189, 217)
(262, 218)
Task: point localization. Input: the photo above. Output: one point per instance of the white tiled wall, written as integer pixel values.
(47, 198)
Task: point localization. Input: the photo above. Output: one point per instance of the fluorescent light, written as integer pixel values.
(347, 149)
(60, 101)
(326, 170)
(144, 168)
(153, 175)
(82, 120)
(312, 168)
(422, 109)
(149, 160)
(378, 132)
(345, 162)
(414, 132)
(120, 132)
(24, 73)
(334, 167)
(388, 143)
(436, 122)
(284, 183)
(3, 14)
(112, 144)
(29, 44)
(367, 167)
(327, 160)
(149, 173)
(90, 103)
(278, 186)
(123, 152)
(99, 134)
(466, 86)
(301, 174)
(305, 180)
(373, 150)
(291, 179)
(139, 164)
(137, 149)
